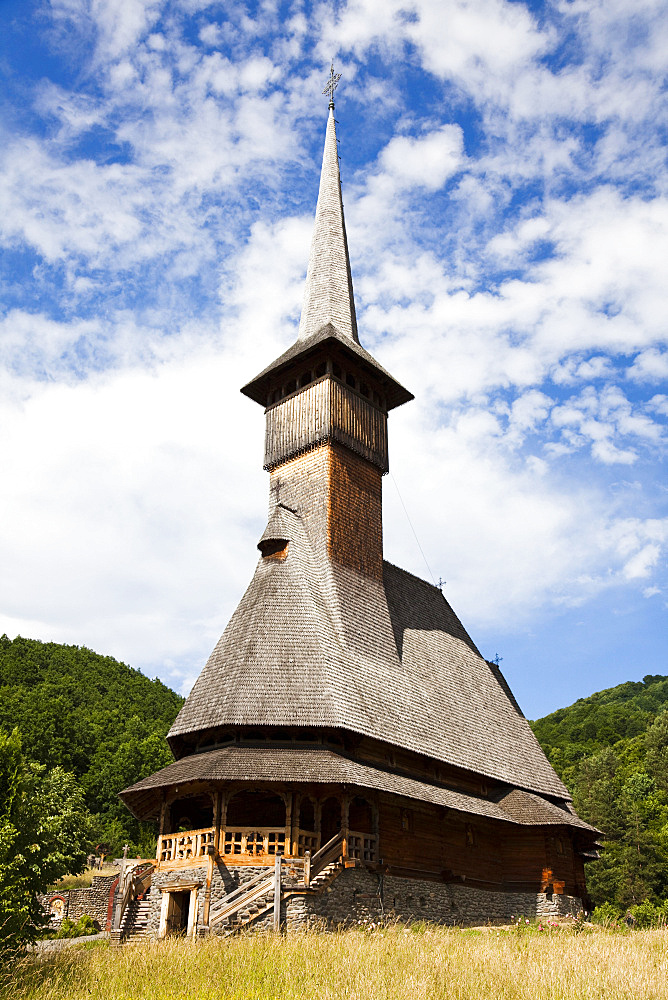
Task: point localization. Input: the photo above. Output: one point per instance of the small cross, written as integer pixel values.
(332, 84)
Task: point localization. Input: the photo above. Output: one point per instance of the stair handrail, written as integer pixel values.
(142, 874)
(240, 897)
(331, 851)
(127, 887)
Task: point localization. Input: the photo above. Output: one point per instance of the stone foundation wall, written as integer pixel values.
(93, 900)
(359, 896)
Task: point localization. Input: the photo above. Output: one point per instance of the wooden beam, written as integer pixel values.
(277, 893)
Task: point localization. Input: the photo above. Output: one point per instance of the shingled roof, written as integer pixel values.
(315, 644)
(328, 293)
(316, 765)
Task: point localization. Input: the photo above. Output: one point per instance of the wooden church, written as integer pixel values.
(346, 753)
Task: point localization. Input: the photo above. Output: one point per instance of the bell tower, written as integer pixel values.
(326, 401)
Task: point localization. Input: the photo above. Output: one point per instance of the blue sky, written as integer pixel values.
(504, 177)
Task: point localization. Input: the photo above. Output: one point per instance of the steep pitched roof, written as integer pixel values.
(328, 294)
(313, 643)
(530, 809)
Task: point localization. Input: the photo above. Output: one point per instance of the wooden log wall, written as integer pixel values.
(417, 838)
(326, 410)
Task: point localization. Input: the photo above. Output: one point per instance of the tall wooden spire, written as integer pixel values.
(328, 295)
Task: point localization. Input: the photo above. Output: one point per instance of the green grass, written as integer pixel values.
(393, 964)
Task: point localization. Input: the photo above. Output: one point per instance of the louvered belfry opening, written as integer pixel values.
(345, 715)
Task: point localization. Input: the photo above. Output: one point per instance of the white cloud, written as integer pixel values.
(427, 161)
(133, 508)
(118, 24)
(507, 535)
(641, 563)
(650, 366)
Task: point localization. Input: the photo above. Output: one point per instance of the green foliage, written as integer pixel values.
(94, 717)
(607, 914)
(44, 831)
(611, 750)
(83, 927)
(646, 915)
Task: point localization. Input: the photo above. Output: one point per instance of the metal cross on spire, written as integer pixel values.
(332, 84)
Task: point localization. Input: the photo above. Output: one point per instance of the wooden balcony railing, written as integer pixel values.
(262, 840)
(361, 846)
(306, 840)
(183, 846)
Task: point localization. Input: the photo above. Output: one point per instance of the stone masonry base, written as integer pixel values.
(360, 896)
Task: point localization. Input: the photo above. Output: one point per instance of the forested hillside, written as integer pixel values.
(611, 750)
(96, 717)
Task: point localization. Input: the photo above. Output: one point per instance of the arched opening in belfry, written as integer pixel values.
(190, 812)
(360, 816)
(330, 819)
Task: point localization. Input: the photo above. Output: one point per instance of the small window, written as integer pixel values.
(320, 370)
(470, 835)
(290, 387)
(336, 369)
(559, 845)
(350, 380)
(364, 389)
(305, 379)
(274, 548)
(406, 821)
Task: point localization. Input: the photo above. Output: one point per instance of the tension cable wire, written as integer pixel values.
(401, 501)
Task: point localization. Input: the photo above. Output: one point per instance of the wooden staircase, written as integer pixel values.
(135, 919)
(244, 905)
(255, 899)
(326, 875)
(133, 902)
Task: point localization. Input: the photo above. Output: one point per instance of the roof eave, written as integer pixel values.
(326, 337)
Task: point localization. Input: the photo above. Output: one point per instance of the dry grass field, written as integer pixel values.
(394, 964)
(84, 880)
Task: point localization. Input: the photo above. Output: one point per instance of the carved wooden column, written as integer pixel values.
(294, 833)
(216, 817)
(288, 799)
(345, 823)
(224, 799)
(161, 824)
(375, 826)
(318, 823)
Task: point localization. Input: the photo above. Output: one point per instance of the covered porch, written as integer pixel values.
(251, 825)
